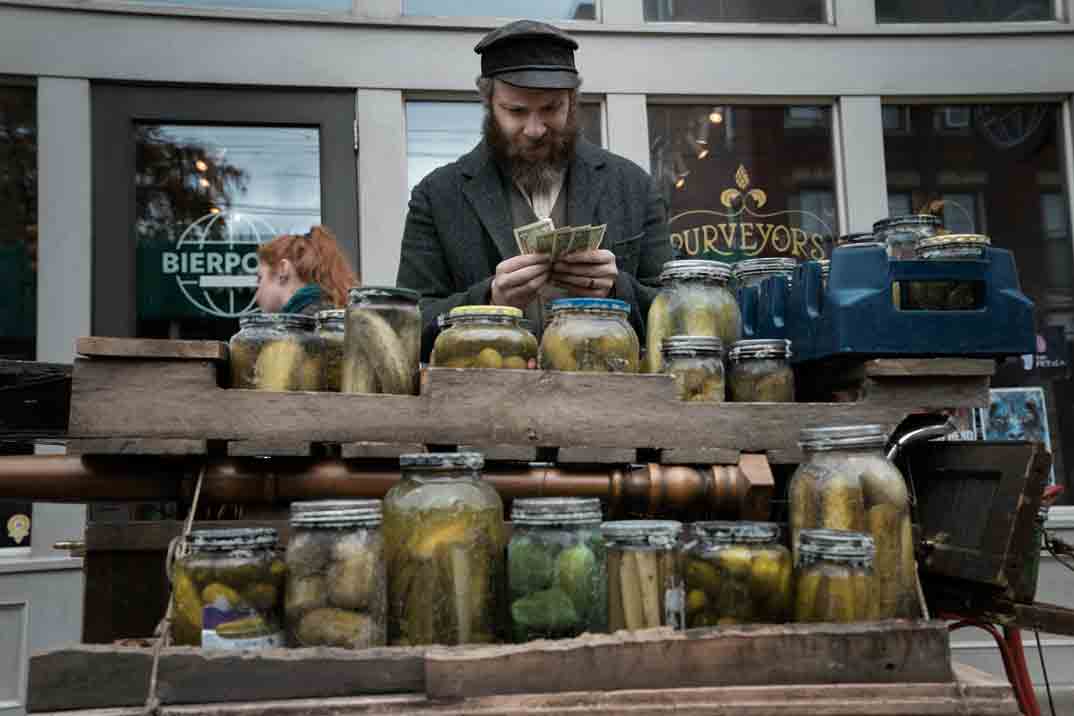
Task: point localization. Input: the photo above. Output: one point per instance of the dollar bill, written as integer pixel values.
(596, 236)
(525, 236)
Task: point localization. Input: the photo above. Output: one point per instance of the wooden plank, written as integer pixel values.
(922, 367)
(88, 676)
(137, 446)
(155, 536)
(125, 596)
(269, 448)
(107, 347)
(873, 653)
(503, 453)
(956, 391)
(587, 455)
(1047, 618)
(699, 456)
(761, 484)
(378, 451)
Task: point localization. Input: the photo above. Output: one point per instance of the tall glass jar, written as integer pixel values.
(484, 337)
(834, 571)
(696, 364)
(736, 573)
(847, 483)
(901, 233)
(336, 576)
(589, 335)
(444, 540)
(275, 351)
(557, 572)
(330, 329)
(382, 341)
(645, 586)
(761, 372)
(948, 295)
(227, 587)
(694, 300)
(752, 272)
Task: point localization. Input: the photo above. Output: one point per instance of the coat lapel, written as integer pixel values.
(584, 184)
(483, 188)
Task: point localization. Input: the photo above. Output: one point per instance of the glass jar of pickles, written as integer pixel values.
(330, 329)
(382, 342)
(753, 272)
(484, 337)
(276, 351)
(760, 372)
(948, 295)
(696, 364)
(444, 540)
(557, 573)
(694, 301)
(901, 233)
(834, 571)
(589, 335)
(847, 483)
(227, 588)
(336, 578)
(645, 586)
(736, 573)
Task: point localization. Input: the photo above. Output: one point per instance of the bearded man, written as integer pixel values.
(459, 246)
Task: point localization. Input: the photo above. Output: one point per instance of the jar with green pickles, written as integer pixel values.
(694, 300)
(590, 335)
(948, 295)
(645, 585)
(484, 337)
(696, 364)
(833, 576)
(736, 573)
(276, 351)
(847, 483)
(330, 329)
(227, 590)
(753, 272)
(382, 341)
(444, 540)
(761, 372)
(900, 234)
(336, 576)
(557, 572)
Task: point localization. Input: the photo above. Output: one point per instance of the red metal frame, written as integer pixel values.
(1012, 651)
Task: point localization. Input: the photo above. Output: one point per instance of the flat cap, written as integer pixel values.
(527, 53)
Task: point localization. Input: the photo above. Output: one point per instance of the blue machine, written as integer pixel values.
(765, 308)
(857, 314)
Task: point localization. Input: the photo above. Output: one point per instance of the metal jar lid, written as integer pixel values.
(861, 237)
(841, 546)
(482, 311)
(762, 267)
(692, 346)
(695, 269)
(227, 540)
(589, 304)
(945, 242)
(539, 511)
(336, 513)
(735, 532)
(760, 348)
(825, 267)
(333, 317)
(661, 534)
(842, 437)
(289, 321)
(377, 294)
(446, 461)
(907, 221)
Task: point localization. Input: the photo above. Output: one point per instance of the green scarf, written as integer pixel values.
(303, 297)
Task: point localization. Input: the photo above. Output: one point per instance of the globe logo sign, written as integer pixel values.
(214, 262)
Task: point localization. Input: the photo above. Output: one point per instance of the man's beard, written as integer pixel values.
(534, 176)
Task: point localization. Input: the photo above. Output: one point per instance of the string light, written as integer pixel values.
(204, 182)
(715, 116)
(680, 182)
(201, 166)
(703, 153)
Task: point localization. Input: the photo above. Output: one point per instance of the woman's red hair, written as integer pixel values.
(316, 258)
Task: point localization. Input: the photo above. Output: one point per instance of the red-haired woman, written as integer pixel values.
(303, 273)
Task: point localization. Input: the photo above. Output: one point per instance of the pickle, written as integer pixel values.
(908, 605)
(550, 612)
(186, 624)
(391, 361)
(216, 593)
(696, 602)
(766, 574)
(245, 627)
(421, 606)
(887, 489)
(489, 358)
(805, 604)
(804, 512)
(841, 506)
(863, 598)
(351, 582)
(516, 363)
(712, 390)
(426, 543)
(735, 601)
(702, 575)
(277, 570)
(835, 600)
(336, 627)
(616, 620)
(698, 321)
(556, 354)
(576, 573)
(885, 527)
(658, 327)
(261, 596)
(358, 375)
(306, 554)
(462, 600)
(278, 365)
(304, 594)
(243, 356)
(736, 561)
(310, 375)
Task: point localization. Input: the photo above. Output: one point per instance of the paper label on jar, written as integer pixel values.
(227, 627)
(211, 640)
(674, 606)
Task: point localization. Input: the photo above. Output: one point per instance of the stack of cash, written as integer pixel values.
(542, 237)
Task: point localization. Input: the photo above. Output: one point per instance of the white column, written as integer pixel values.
(853, 13)
(621, 12)
(628, 127)
(859, 149)
(380, 9)
(382, 192)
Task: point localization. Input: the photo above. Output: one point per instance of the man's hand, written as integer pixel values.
(586, 274)
(519, 278)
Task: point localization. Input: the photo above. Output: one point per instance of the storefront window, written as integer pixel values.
(339, 6)
(996, 170)
(735, 11)
(438, 133)
(206, 196)
(531, 9)
(964, 10)
(745, 182)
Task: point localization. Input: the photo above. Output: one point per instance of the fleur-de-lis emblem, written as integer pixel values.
(742, 180)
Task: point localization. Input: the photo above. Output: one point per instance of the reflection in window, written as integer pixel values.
(531, 9)
(1002, 176)
(334, 6)
(18, 222)
(964, 10)
(206, 196)
(735, 11)
(438, 133)
(741, 183)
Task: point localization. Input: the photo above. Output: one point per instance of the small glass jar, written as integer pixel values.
(901, 233)
(444, 540)
(330, 329)
(589, 335)
(382, 341)
(645, 586)
(753, 272)
(276, 351)
(736, 573)
(557, 572)
(696, 364)
(834, 575)
(336, 577)
(761, 372)
(847, 483)
(947, 295)
(484, 337)
(227, 590)
(694, 300)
